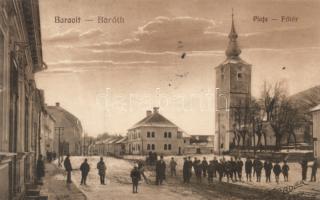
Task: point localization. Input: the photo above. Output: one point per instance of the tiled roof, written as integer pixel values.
(155, 119)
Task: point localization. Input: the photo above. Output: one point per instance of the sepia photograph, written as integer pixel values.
(159, 99)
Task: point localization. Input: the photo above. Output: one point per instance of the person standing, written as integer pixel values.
(268, 168)
(68, 168)
(239, 168)
(204, 166)
(228, 170)
(258, 169)
(135, 177)
(210, 172)
(314, 168)
(173, 165)
(220, 169)
(285, 171)
(40, 169)
(248, 168)
(190, 167)
(185, 171)
(101, 166)
(304, 167)
(198, 170)
(277, 171)
(233, 169)
(160, 171)
(84, 168)
(254, 165)
(215, 166)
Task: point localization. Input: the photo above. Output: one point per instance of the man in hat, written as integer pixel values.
(84, 168)
(101, 166)
(68, 168)
(160, 171)
(135, 176)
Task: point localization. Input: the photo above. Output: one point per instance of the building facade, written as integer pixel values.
(70, 130)
(316, 131)
(233, 90)
(154, 133)
(20, 100)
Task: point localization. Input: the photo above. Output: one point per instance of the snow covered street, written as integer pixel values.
(119, 184)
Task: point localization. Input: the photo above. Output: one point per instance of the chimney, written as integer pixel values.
(155, 109)
(149, 113)
(57, 104)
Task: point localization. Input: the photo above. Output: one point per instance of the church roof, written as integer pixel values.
(155, 119)
(233, 49)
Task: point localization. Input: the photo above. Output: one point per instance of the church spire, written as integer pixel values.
(233, 49)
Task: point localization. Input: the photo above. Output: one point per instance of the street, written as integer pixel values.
(119, 185)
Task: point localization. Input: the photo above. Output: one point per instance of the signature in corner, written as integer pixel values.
(288, 189)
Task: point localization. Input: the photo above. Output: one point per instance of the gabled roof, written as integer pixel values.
(122, 140)
(156, 120)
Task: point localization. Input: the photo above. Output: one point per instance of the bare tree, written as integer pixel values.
(283, 117)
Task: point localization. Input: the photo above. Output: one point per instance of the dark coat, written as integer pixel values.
(268, 167)
(101, 166)
(67, 164)
(84, 168)
(258, 166)
(285, 169)
(135, 175)
(161, 169)
(239, 166)
(205, 165)
(277, 169)
(40, 168)
(248, 166)
(186, 168)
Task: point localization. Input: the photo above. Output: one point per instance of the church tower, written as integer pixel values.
(233, 90)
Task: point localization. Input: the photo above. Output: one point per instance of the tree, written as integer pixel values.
(283, 117)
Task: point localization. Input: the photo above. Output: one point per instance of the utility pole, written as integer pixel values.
(60, 131)
(219, 133)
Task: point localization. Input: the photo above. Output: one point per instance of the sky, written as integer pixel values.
(109, 74)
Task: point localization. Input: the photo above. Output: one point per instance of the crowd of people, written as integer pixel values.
(219, 169)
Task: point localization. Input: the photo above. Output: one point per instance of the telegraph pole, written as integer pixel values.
(60, 131)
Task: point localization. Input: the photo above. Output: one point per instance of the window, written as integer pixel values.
(148, 147)
(165, 147)
(148, 134)
(169, 135)
(165, 134)
(153, 147)
(239, 75)
(169, 146)
(153, 134)
(184, 141)
(138, 147)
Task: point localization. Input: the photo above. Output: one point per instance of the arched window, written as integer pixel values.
(165, 147)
